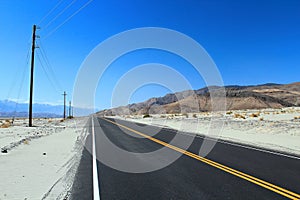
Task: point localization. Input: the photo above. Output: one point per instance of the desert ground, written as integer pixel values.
(274, 129)
(39, 162)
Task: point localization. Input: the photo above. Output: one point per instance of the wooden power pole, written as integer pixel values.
(65, 94)
(70, 108)
(31, 76)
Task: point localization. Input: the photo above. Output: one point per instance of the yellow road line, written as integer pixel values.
(252, 179)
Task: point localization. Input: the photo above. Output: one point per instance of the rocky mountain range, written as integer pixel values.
(237, 98)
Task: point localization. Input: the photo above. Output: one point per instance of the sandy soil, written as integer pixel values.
(41, 161)
(275, 129)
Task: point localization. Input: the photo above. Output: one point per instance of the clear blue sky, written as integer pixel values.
(252, 42)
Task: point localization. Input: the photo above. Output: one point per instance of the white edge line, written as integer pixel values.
(224, 141)
(96, 192)
(261, 150)
(243, 146)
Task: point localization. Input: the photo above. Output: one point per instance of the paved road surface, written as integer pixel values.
(190, 176)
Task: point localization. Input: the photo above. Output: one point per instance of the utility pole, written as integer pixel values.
(70, 108)
(31, 76)
(65, 94)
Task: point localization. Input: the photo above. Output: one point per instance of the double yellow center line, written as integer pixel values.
(252, 179)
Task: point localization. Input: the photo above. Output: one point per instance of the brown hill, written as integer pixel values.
(237, 98)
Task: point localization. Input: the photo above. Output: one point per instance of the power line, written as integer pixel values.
(46, 73)
(19, 92)
(45, 58)
(58, 4)
(59, 14)
(69, 18)
(21, 87)
(14, 81)
(23, 75)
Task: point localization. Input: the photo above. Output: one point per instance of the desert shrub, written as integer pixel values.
(254, 115)
(146, 116)
(5, 125)
(185, 115)
(62, 120)
(237, 115)
(297, 117)
(261, 119)
(195, 115)
(228, 112)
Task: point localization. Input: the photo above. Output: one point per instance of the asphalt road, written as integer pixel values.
(227, 172)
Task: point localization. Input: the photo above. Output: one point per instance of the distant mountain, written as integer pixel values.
(268, 95)
(11, 108)
(25, 115)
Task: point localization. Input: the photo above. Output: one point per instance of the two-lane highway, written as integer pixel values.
(228, 172)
